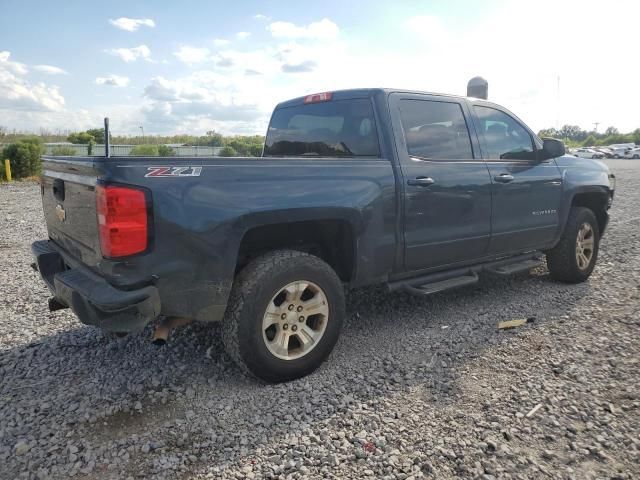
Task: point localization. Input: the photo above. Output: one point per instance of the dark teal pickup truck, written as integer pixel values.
(421, 192)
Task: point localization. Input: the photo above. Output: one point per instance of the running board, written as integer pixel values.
(435, 287)
(513, 268)
(444, 280)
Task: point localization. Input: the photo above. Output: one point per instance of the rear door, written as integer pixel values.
(447, 187)
(526, 193)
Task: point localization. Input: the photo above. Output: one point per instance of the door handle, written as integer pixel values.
(421, 181)
(503, 178)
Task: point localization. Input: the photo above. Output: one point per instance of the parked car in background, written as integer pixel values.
(619, 151)
(607, 152)
(633, 153)
(588, 153)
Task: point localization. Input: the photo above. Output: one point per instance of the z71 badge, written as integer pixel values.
(173, 171)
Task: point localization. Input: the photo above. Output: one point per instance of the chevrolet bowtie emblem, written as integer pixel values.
(60, 213)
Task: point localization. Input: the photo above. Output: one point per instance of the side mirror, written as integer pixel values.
(551, 148)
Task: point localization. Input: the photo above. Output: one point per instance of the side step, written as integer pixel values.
(512, 268)
(460, 277)
(442, 285)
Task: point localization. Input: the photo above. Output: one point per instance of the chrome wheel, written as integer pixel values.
(584, 246)
(295, 320)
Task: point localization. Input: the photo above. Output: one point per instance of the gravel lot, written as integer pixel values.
(415, 388)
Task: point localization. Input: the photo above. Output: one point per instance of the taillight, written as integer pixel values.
(122, 220)
(318, 97)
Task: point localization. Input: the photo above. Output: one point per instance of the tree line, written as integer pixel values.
(235, 145)
(574, 136)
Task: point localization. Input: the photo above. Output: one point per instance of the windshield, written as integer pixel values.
(340, 128)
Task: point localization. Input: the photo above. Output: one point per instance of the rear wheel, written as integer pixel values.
(284, 316)
(573, 259)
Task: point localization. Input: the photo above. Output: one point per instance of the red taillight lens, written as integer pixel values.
(122, 220)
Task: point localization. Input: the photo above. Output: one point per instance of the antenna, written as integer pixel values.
(107, 153)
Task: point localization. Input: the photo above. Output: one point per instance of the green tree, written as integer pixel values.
(590, 141)
(80, 138)
(228, 152)
(214, 139)
(24, 157)
(166, 151)
(145, 150)
(549, 132)
(97, 134)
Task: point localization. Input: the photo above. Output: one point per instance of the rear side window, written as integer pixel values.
(504, 137)
(435, 130)
(338, 128)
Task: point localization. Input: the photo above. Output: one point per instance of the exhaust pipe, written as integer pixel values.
(163, 329)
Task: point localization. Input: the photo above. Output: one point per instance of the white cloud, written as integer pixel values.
(243, 35)
(325, 29)
(15, 67)
(202, 100)
(191, 55)
(220, 42)
(131, 54)
(50, 69)
(113, 81)
(259, 16)
(18, 94)
(132, 24)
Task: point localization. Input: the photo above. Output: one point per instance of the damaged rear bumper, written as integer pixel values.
(91, 297)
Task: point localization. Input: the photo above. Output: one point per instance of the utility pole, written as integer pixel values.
(595, 124)
(142, 128)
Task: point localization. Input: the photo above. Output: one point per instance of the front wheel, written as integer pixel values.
(636, 156)
(284, 316)
(573, 259)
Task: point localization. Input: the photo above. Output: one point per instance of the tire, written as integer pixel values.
(616, 156)
(636, 156)
(260, 286)
(563, 260)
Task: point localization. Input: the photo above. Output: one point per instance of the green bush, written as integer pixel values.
(80, 138)
(24, 157)
(63, 151)
(255, 150)
(145, 150)
(228, 152)
(166, 151)
(3, 175)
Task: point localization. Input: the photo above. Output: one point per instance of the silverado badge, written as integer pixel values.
(60, 213)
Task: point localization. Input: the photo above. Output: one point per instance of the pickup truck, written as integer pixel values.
(417, 191)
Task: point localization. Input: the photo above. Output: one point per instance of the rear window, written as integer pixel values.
(339, 128)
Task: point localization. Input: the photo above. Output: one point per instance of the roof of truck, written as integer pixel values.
(369, 92)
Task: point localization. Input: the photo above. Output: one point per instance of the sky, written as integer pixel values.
(194, 65)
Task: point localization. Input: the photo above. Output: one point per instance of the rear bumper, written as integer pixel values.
(91, 297)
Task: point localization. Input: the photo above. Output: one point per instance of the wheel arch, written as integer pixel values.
(331, 236)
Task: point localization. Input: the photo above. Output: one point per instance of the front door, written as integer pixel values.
(447, 187)
(526, 192)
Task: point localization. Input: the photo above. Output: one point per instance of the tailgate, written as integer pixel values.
(69, 203)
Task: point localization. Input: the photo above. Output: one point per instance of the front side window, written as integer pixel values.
(504, 137)
(435, 130)
(337, 128)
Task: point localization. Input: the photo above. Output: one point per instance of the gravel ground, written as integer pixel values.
(415, 388)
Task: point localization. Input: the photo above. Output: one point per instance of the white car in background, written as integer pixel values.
(587, 153)
(633, 153)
